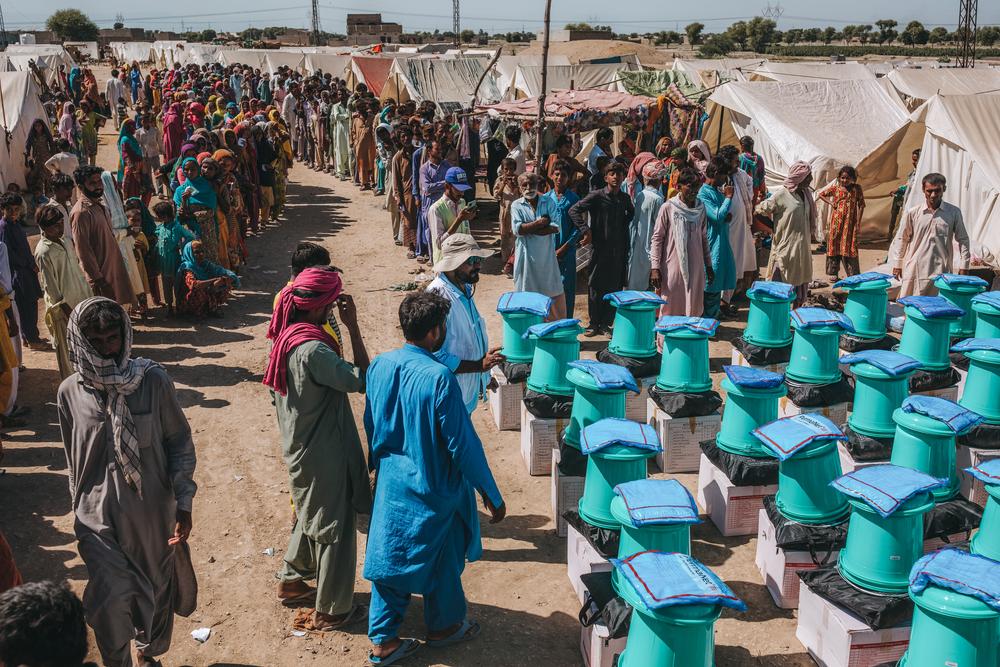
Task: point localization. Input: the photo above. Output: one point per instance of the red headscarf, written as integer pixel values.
(797, 173)
(326, 287)
(634, 169)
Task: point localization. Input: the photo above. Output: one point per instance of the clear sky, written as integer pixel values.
(493, 15)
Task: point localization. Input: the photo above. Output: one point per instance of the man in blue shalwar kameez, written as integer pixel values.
(429, 465)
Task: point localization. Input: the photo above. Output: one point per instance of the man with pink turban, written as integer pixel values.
(793, 211)
(327, 472)
(648, 201)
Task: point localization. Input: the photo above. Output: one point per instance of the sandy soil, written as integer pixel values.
(519, 591)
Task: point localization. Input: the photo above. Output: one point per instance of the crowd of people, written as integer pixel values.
(204, 155)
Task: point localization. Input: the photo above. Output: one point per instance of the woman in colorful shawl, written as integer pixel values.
(90, 121)
(91, 92)
(247, 176)
(38, 148)
(212, 172)
(675, 164)
(75, 83)
(173, 132)
(129, 161)
(700, 156)
(196, 202)
(202, 286)
(135, 81)
(753, 164)
(151, 261)
(69, 128)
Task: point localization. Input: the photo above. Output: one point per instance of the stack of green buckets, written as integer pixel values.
(816, 346)
(986, 541)
(881, 384)
(768, 317)
(960, 291)
(556, 344)
(927, 331)
(866, 305)
(520, 311)
(635, 315)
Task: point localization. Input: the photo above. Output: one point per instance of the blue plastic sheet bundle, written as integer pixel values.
(524, 302)
(893, 363)
(990, 298)
(607, 376)
(885, 488)
(788, 435)
(630, 296)
(703, 325)
(957, 418)
(545, 328)
(670, 579)
(657, 502)
(959, 571)
(753, 378)
(932, 306)
(808, 318)
(972, 344)
(987, 472)
(772, 288)
(958, 280)
(617, 431)
(861, 278)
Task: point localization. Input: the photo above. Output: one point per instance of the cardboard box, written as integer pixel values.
(849, 464)
(739, 360)
(680, 437)
(566, 494)
(835, 637)
(635, 404)
(505, 401)
(597, 648)
(779, 567)
(971, 488)
(582, 558)
(538, 438)
(950, 393)
(733, 509)
(837, 413)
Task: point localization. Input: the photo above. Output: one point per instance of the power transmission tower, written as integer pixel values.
(773, 12)
(315, 22)
(968, 16)
(456, 24)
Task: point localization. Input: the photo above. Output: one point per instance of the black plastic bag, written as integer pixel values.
(762, 356)
(957, 515)
(820, 541)
(876, 610)
(959, 360)
(572, 462)
(515, 373)
(601, 603)
(641, 367)
(742, 470)
(863, 448)
(686, 404)
(806, 395)
(849, 343)
(929, 380)
(548, 406)
(983, 436)
(605, 540)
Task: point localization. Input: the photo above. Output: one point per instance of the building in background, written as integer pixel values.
(363, 29)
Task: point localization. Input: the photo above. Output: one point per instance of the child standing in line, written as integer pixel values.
(171, 237)
(847, 202)
(133, 212)
(506, 191)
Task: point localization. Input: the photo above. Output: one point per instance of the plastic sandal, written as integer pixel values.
(468, 631)
(406, 648)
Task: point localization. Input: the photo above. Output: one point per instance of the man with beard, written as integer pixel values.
(96, 246)
(466, 346)
(429, 465)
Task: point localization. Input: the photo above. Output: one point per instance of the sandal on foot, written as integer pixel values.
(467, 631)
(357, 612)
(405, 649)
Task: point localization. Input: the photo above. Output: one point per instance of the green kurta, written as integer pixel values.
(790, 242)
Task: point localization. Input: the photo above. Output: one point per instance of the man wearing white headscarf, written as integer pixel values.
(131, 465)
(648, 201)
(793, 210)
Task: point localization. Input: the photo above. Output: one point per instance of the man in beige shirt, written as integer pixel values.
(924, 245)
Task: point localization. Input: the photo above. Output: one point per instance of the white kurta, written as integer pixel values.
(924, 246)
(647, 205)
(466, 339)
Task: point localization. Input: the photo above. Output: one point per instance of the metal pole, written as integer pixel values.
(541, 97)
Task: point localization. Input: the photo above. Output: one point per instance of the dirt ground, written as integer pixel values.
(518, 591)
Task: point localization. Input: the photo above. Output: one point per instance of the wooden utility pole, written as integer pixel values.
(540, 121)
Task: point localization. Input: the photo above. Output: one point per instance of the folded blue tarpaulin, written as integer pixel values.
(664, 579)
(991, 298)
(971, 344)
(607, 376)
(697, 324)
(886, 487)
(988, 472)
(545, 328)
(932, 306)
(788, 435)
(957, 418)
(772, 288)
(753, 378)
(524, 302)
(957, 279)
(959, 571)
(893, 363)
(657, 502)
(617, 431)
(861, 278)
(808, 318)
(629, 296)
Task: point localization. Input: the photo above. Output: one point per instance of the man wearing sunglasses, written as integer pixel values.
(466, 346)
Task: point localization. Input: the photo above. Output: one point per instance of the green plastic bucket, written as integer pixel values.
(804, 491)
(987, 320)
(961, 296)
(768, 321)
(815, 355)
(747, 408)
(986, 541)
(633, 334)
(951, 629)
(880, 552)
(553, 353)
(516, 347)
(866, 305)
(672, 537)
(876, 396)
(590, 404)
(677, 636)
(684, 365)
(926, 339)
(606, 469)
(982, 385)
(928, 445)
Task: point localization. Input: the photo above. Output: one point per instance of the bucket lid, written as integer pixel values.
(568, 328)
(601, 376)
(612, 431)
(635, 299)
(957, 583)
(870, 280)
(662, 580)
(885, 488)
(948, 417)
(789, 436)
(988, 348)
(655, 502)
(753, 378)
(931, 307)
(817, 318)
(694, 327)
(771, 290)
(988, 472)
(531, 303)
(956, 282)
(888, 362)
(986, 301)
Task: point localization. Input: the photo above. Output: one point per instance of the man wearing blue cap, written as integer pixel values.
(450, 214)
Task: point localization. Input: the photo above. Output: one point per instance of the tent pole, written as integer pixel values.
(541, 97)
(718, 140)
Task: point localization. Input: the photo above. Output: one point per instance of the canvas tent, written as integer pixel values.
(48, 66)
(714, 72)
(332, 63)
(828, 124)
(268, 60)
(21, 106)
(451, 83)
(127, 52)
(84, 49)
(371, 71)
(506, 67)
(809, 71)
(528, 79)
(919, 85)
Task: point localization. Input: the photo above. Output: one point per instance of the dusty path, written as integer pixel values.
(519, 591)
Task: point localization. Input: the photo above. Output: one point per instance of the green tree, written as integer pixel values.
(716, 46)
(793, 36)
(578, 26)
(830, 34)
(886, 31)
(915, 34)
(761, 33)
(988, 35)
(737, 32)
(207, 35)
(849, 33)
(812, 35)
(938, 35)
(693, 31)
(118, 25)
(72, 25)
(864, 33)
(467, 35)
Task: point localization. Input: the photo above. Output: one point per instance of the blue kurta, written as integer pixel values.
(429, 463)
(717, 211)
